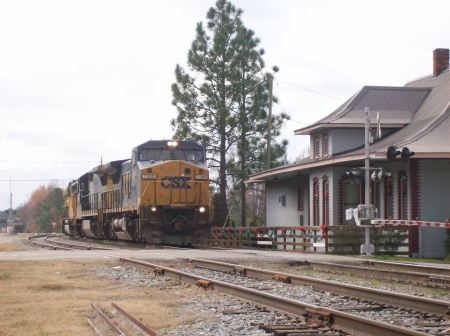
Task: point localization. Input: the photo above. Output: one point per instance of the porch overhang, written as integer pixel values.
(314, 128)
(285, 172)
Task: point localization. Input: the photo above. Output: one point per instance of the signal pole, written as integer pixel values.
(367, 171)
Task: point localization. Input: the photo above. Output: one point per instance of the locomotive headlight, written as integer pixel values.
(153, 208)
(172, 143)
(202, 209)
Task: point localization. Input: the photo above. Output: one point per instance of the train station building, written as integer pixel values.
(319, 189)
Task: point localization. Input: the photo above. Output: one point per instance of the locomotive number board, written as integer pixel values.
(149, 176)
(201, 177)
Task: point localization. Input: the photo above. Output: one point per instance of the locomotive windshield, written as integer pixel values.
(163, 153)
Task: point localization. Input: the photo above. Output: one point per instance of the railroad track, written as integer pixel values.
(313, 318)
(309, 313)
(399, 272)
(138, 328)
(379, 297)
(52, 244)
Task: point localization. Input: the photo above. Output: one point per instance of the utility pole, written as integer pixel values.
(10, 200)
(269, 121)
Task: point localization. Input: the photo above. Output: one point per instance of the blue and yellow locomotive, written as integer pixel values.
(160, 195)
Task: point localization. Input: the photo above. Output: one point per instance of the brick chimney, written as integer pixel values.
(440, 61)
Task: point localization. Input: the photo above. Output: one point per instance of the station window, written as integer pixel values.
(316, 148)
(325, 145)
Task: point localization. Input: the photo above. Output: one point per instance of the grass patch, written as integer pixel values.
(44, 293)
(407, 259)
(10, 243)
(4, 276)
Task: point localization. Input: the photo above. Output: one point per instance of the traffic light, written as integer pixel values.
(391, 153)
(356, 175)
(406, 154)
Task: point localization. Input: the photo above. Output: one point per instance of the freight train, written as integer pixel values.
(159, 196)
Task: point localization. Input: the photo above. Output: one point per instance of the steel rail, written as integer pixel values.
(146, 330)
(52, 247)
(428, 269)
(115, 329)
(339, 320)
(76, 246)
(385, 274)
(396, 299)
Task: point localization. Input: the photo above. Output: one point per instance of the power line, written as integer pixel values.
(48, 161)
(322, 94)
(36, 180)
(284, 110)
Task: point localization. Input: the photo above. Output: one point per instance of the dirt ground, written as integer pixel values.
(51, 297)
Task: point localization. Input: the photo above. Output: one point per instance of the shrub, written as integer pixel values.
(388, 240)
(345, 239)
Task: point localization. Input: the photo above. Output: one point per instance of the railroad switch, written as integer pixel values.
(282, 278)
(158, 271)
(319, 317)
(205, 284)
(239, 270)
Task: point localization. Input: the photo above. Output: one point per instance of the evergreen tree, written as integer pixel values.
(204, 102)
(223, 105)
(252, 119)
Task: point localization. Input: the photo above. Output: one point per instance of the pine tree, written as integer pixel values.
(251, 115)
(224, 104)
(204, 103)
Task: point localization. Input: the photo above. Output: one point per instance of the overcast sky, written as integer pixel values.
(80, 80)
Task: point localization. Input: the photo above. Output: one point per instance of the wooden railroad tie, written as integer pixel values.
(205, 284)
(282, 278)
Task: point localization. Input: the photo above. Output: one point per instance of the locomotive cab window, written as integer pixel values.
(163, 154)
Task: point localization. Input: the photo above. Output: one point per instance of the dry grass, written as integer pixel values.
(9, 243)
(53, 298)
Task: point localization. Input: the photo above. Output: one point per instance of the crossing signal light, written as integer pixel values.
(406, 154)
(13, 212)
(355, 175)
(391, 153)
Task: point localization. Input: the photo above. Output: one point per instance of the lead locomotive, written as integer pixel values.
(160, 196)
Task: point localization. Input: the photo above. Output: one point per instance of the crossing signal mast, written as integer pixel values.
(367, 212)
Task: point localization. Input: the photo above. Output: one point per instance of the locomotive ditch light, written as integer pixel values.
(153, 208)
(202, 209)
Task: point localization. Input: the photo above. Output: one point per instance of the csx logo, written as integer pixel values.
(175, 182)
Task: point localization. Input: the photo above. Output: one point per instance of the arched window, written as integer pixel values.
(389, 198)
(350, 200)
(316, 197)
(402, 195)
(326, 203)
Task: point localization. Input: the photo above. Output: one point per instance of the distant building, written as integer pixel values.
(3, 221)
(317, 190)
